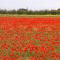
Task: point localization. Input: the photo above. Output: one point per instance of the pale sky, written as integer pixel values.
(30, 4)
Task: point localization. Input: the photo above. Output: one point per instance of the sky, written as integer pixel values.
(30, 4)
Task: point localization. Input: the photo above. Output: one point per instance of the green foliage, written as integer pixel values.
(30, 12)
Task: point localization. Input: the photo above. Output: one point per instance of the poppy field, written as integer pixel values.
(29, 38)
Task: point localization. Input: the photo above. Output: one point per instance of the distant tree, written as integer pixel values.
(12, 12)
(3, 11)
(22, 11)
(31, 12)
(53, 12)
(58, 11)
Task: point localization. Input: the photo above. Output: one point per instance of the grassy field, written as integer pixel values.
(16, 15)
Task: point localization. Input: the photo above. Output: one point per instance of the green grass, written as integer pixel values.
(17, 15)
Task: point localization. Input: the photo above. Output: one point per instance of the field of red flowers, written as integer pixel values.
(29, 38)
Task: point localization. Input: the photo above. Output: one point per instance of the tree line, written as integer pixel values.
(31, 12)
